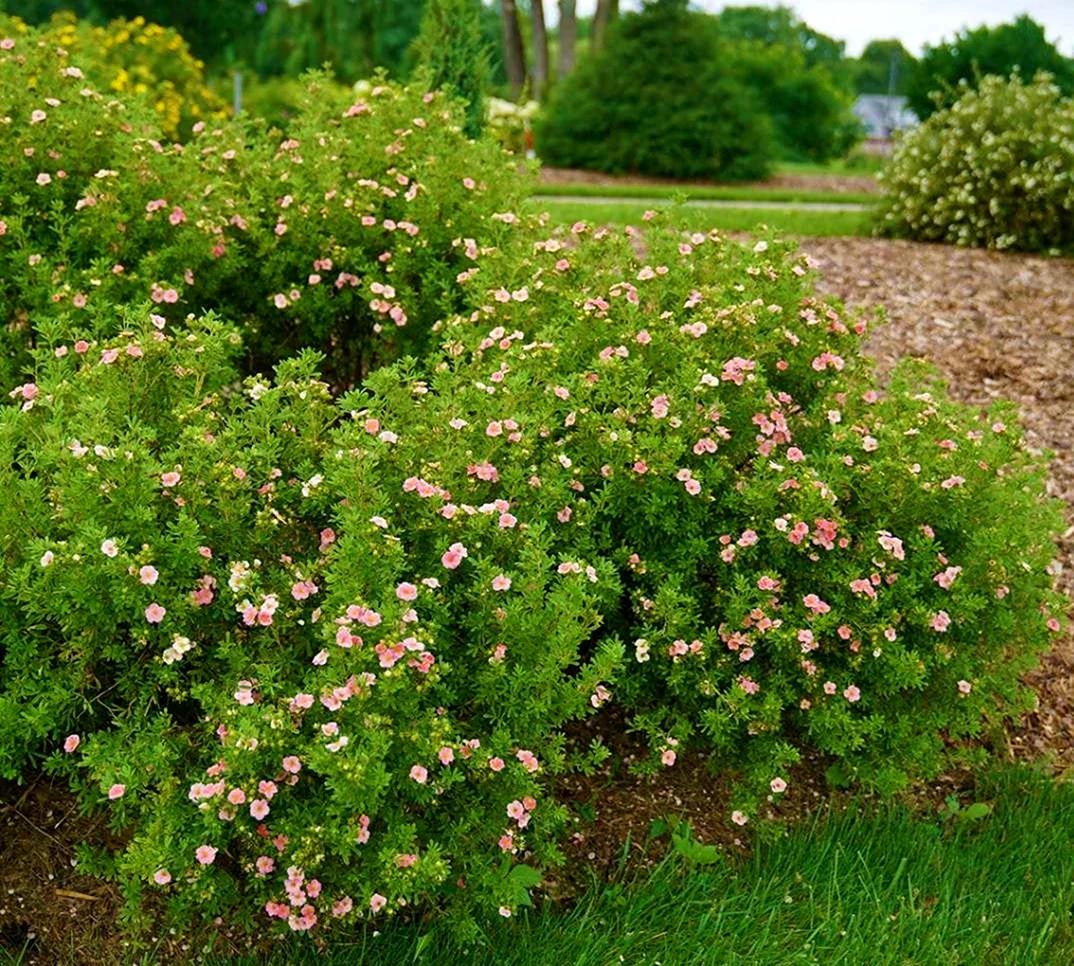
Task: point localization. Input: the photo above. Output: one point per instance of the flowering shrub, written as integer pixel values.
(991, 170)
(68, 154)
(805, 560)
(510, 123)
(217, 626)
(347, 235)
(134, 58)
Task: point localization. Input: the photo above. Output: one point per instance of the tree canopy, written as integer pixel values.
(1019, 47)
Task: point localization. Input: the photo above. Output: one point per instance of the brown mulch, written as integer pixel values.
(995, 325)
(841, 183)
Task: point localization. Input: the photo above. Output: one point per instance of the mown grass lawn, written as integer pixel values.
(789, 221)
(706, 193)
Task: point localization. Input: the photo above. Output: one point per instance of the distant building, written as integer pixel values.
(883, 116)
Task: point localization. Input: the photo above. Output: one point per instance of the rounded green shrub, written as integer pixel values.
(658, 99)
(347, 233)
(806, 561)
(221, 624)
(993, 170)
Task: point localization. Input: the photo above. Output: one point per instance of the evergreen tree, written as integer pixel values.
(453, 54)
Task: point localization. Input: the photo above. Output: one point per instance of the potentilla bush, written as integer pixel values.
(992, 170)
(348, 234)
(68, 150)
(806, 560)
(217, 628)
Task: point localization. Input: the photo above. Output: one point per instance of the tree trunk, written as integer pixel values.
(514, 54)
(540, 50)
(568, 36)
(607, 11)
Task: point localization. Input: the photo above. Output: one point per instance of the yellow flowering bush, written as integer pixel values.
(133, 57)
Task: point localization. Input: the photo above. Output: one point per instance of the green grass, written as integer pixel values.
(789, 221)
(868, 888)
(704, 193)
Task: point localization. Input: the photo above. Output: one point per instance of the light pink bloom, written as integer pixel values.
(292, 764)
(170, 479)
(162, 877)
(852, 693)
(496, 764)
(778, 785)
(419, 774)
(148, 575)
(940, 621)
(377, 902)
(154, 613)
(501, 582)
(965, 687)
(205, 854)
(71, 742)
(116, 791)
(739, 818)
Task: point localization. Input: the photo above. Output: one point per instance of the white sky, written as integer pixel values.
(914, 22)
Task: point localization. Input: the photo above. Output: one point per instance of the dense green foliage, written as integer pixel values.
(993, 170)
(656, 100)
(346, 234)
(319, 656)
(676, 93)
(1020, 46)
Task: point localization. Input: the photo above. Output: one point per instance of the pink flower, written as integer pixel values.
(148, 575)
(116, 791)
(162, 877)
(419, 774)
(501, 582)
(454, 556)
(154, 613)
(205, 854)
(70, 743)
(109, 548)
(815, 604)
(829, 687)
(852, 694)
(778, 785)
(496, 764)
(940, 621)
(292, 764)
(739, 818)
(446, 755)
(377, 902)
(170, 479)
(965, 687)
(259, 808)
(667, 758)
(406, 591)
(265, 864)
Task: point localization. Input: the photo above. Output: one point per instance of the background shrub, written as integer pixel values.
(134, 59)
(658, 100)
(346, 234)
(993, 170)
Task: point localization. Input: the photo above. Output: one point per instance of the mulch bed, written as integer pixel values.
(995, 325)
